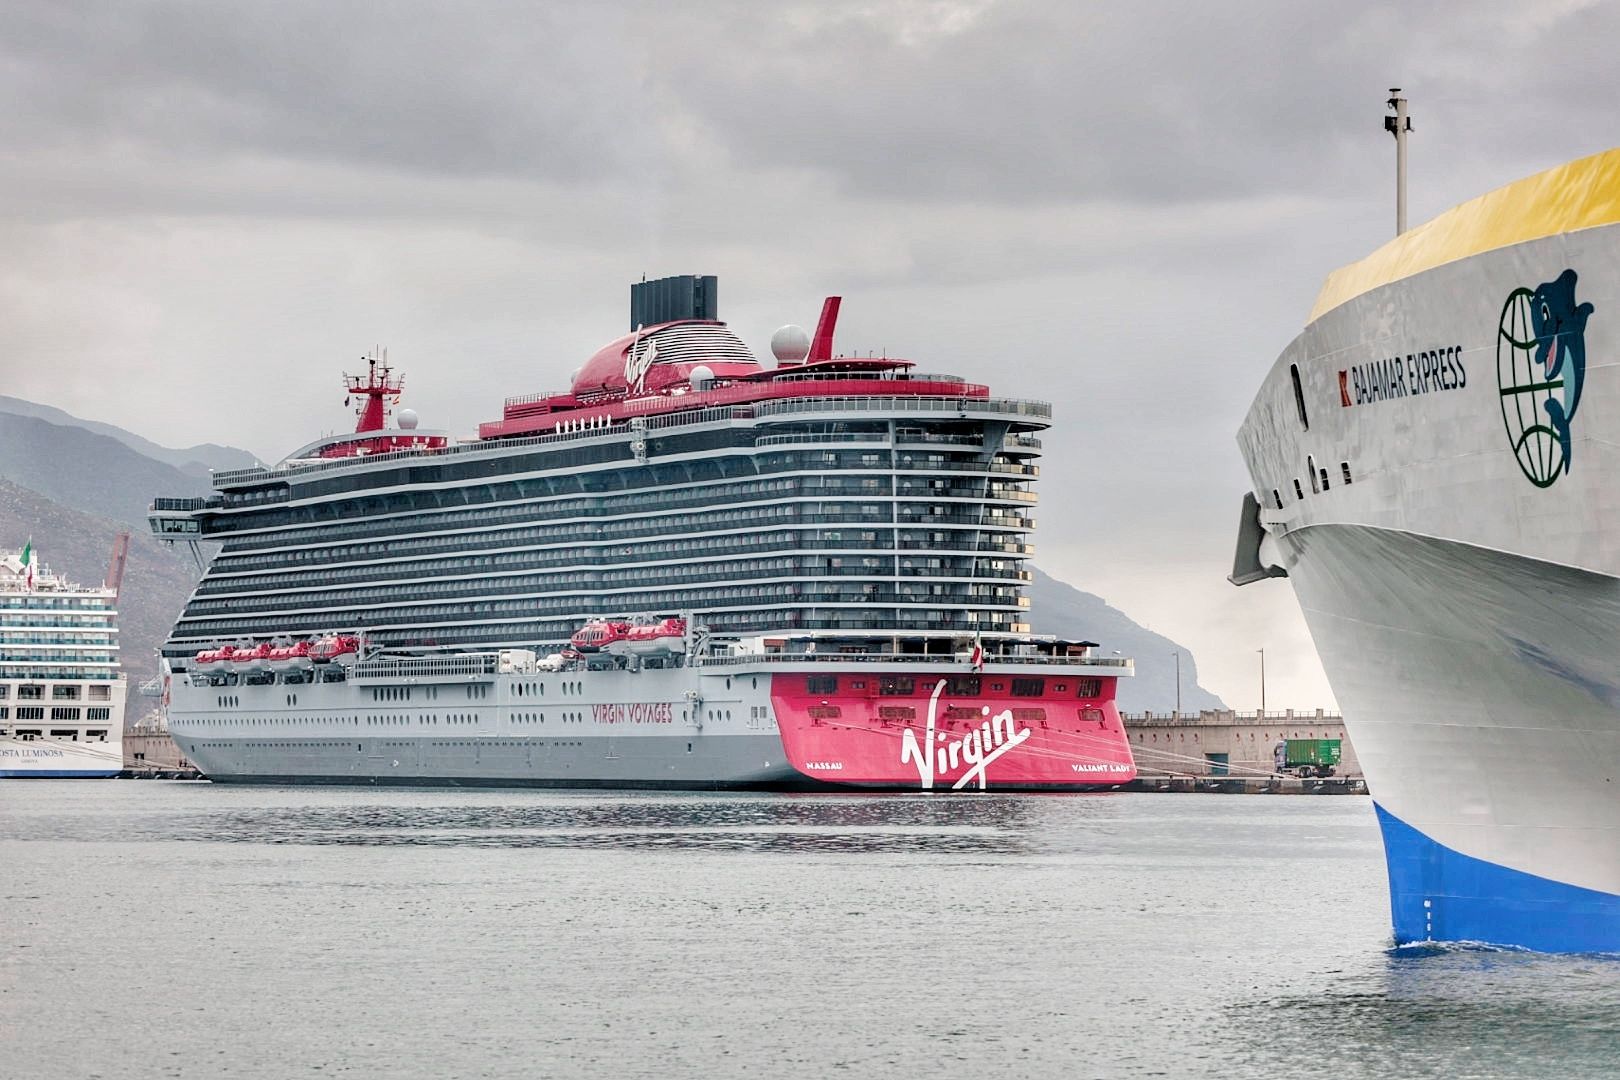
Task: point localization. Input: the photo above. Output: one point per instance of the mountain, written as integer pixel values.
(157, 579)
(87, 471)
(193, 460)
(1058, 608)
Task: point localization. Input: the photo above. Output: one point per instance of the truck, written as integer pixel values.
(1309, 757)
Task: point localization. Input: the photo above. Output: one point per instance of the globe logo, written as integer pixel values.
(1524, 394)
(1540, 366)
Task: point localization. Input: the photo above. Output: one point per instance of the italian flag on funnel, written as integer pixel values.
(28, 564)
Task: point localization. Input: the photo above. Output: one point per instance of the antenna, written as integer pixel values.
(1398, 126)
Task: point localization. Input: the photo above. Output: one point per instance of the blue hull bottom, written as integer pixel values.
(57, 774)
(1438, 894)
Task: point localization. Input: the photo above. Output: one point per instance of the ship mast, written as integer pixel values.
(376, 390)
(1399, 125)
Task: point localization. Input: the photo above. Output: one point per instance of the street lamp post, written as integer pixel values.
(1177, 655)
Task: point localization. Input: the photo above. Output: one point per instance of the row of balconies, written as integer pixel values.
(478, 589)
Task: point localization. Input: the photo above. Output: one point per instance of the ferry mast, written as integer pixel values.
(376, 390)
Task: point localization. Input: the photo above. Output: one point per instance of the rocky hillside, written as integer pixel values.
(1056, 607)
(192, 460)
(85, 471)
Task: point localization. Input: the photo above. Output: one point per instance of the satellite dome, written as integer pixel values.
(701, 377)
(407, 419)
(790, 345)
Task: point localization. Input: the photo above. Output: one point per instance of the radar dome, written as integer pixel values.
(702, 377)
(790, 345)
(407, 419)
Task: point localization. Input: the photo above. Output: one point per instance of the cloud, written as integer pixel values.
(208, 210)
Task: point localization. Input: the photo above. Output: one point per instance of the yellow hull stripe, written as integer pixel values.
(1578, 195)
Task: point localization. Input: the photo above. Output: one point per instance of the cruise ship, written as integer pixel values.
(686, 570)
(61, 691)
(1436, 470)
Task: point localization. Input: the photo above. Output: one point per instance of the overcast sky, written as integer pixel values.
(208, 210)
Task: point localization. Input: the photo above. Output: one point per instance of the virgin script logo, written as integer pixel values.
(937, 754)
(637, 364)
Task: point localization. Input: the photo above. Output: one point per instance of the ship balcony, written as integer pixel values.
(909, 463)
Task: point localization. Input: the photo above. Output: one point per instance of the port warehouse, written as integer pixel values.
(1227, 743)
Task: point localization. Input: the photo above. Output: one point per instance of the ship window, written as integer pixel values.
(1276, 497)
(1028, 687)
(967, 685)
(1089, 687)
(1344, 469)
(1299, 493)
(1324, 480)
(1299, 397)
(1310, 469)
(5, 691)
(821, 684)
(897, 684)
(64, 693)
(30, 693)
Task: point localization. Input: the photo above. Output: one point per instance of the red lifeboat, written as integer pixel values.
(251, 660)
(335, 648)
(214, 657)
(598, 634)
(663, 636)
(292, 657)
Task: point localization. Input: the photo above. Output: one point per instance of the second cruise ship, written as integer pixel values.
(685, 570)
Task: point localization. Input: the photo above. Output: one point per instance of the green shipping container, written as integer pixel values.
(1313, 752)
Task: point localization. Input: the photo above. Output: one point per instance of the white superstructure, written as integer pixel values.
(1436, 469)
(61, 691)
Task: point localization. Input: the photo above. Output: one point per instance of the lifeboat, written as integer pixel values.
(252, 660)
(294, 657)
(657, 639)
(335, 649)
(598, 634)
(214, 659)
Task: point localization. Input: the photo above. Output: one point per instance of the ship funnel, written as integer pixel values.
(671, 299)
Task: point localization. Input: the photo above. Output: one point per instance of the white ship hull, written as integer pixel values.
(1457, 564)
(605, 728)
(59, 759)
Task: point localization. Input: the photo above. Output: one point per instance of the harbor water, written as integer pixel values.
(161, 929)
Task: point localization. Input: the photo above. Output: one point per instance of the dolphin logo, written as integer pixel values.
(1559, 324)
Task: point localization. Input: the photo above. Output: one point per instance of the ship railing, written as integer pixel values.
(426, 667)
(906, 404)
(825, 437)
(1109, 663)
